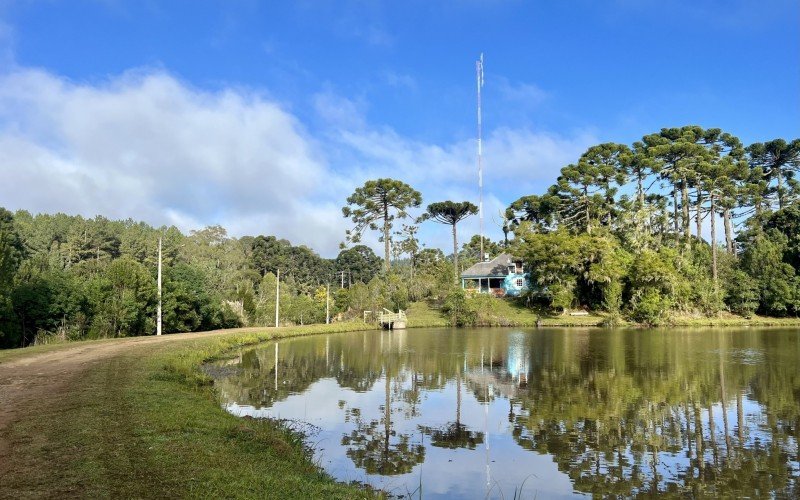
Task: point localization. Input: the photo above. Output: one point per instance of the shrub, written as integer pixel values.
(562, 295)
(650, 308)
(457, 308)
(742, 293)
(484, 307)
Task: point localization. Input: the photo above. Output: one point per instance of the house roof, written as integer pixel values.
(497, 267)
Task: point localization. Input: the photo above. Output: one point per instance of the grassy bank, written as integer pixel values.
(500, 312)
(495, 312)
(733, 320)
(145, 424)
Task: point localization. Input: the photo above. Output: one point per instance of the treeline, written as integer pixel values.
(69, 277)
(649, 230)
(74, 278)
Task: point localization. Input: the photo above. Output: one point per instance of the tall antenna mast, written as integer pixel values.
(479, 76)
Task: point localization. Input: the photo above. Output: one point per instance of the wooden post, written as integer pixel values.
(158, 321)
(328, 305)
(278, 299)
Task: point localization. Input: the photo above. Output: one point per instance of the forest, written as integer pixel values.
(687, 221)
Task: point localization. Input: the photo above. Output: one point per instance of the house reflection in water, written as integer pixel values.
(502, 375)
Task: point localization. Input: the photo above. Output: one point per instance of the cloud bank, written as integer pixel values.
(146, 145)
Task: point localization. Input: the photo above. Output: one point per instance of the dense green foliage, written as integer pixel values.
(375, 205)
(615, 231)
(68, 277)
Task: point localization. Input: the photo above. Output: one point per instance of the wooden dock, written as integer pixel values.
(392, 320)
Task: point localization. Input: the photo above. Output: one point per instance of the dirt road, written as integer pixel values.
(29, 382)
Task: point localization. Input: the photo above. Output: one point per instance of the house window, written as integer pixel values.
(512, 269)
(519, 282)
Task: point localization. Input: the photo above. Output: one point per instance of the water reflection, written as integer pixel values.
(489, 412)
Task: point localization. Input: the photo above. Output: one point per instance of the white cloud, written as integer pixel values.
(339, 111)
(147, 146)
(522, 94)
(527, 157)
(399, 80)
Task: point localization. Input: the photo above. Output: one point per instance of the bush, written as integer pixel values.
(485, 309)
(457, 308)
(742, 293)
(562, 295)
(650, 308)
(763, 260)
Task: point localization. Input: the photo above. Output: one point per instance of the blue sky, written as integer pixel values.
(264, 116)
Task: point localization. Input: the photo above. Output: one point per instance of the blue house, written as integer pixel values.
(503, 276)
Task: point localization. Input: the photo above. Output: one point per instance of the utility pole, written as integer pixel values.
(328, 305)
(158, 321)
(479, 76)
(342, 278)
(278, 299)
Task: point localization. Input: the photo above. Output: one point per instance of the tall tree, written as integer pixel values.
(451, 213)
(379, 202)
(787, 221)
(717, 176)
(778, 161)
(586, 188)
(11, 249)
(640, 168)
(676, 154)
(540, 211)
(11, 256)
(763, 260)
(269, 254)
(359, 264)
(408, 243)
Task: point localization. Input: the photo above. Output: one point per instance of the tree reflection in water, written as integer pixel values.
(454, 434)
(374, 447)
(621, 413)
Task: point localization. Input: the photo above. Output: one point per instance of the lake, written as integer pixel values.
(547, 413)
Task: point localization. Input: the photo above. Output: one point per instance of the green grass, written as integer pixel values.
(146, 424)
(733, 320)
(508, 312)
(423, 315)
(496, 312)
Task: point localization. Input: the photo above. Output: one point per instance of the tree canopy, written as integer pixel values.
(659, 204)
(375, 205)
(451, 213)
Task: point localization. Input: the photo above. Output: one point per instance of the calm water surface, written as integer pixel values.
(549, 413)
